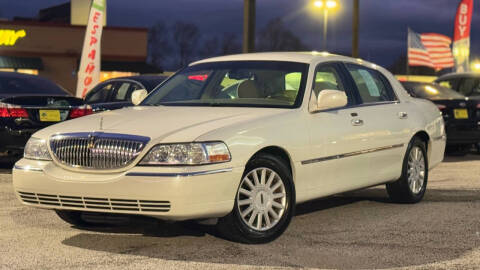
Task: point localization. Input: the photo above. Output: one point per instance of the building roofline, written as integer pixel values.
(52, 24)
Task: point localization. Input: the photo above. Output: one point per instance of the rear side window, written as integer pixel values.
(372, 85)
(469, 87)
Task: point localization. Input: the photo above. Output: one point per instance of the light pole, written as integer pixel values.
(325, 5)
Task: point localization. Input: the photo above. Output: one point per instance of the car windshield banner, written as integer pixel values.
(89, 71)
(461, 37)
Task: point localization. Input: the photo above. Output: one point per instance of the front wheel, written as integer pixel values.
(264, 203)
(411, 186)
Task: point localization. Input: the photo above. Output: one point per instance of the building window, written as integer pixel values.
(25, 71)
(106, 75)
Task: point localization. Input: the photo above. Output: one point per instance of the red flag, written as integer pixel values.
(461, 36)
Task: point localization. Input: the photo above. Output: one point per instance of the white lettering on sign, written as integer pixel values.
(462, 19)
(10, 37)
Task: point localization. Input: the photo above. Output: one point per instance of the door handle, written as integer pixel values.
(402, 115)
(357, 122)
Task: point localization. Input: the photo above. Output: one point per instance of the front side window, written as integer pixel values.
(122, 92)
(236, 83)
(327, 77)
(100, 94)
(372, 85)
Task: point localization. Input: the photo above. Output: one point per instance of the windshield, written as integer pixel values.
(28, 85)
(239, 83)
(431, 91)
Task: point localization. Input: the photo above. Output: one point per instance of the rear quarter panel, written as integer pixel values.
(431, 121)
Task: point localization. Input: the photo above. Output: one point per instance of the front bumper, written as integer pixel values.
(177, 193)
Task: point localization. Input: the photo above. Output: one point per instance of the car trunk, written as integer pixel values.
(464, 113)
(38, 111)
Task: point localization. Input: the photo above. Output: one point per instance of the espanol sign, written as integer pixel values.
(9, 37)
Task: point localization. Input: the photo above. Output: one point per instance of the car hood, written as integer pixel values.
(163, 123)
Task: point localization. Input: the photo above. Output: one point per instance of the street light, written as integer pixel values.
(325, 5)
(475, 66)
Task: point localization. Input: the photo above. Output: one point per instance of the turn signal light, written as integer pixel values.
(81, 111)
(12, 111)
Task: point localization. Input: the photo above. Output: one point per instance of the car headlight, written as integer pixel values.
(37, 149)
(187, 154)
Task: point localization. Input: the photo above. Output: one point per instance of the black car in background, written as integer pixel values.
(466, 83)
(461, 114)
(117, 93)
(29, 103)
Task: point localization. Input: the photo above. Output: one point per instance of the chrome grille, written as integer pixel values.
(96, 150)
(94, 203)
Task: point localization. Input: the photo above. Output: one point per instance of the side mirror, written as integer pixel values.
(138, 96)
(331, 99)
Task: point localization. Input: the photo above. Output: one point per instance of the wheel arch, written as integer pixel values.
(423, 135)
(279, 152)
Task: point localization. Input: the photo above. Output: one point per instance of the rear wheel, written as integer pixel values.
(264, 203)
(411, 186)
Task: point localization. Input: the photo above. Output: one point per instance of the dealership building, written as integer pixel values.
(51, 44)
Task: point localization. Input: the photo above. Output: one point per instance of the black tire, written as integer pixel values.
(235, 229)
(400, 190)
(73, 218)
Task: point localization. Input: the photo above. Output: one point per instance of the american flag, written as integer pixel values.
(431, 50)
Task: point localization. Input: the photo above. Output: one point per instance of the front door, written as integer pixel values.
(336, 137)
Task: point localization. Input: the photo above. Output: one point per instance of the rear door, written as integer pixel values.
(387, 121)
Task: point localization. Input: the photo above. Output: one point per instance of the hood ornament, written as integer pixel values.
(101, 123)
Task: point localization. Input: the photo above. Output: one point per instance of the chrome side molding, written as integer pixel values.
(351, 154)
(152, 174)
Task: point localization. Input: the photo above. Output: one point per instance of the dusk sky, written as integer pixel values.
(383, 23)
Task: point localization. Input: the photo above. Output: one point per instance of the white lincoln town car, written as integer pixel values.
(241, 139)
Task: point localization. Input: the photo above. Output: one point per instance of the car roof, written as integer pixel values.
(300, 57)
(17, 75)
(458, 75)
(149, 81)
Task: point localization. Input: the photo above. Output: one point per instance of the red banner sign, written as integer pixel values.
(461, 36)
(89, 71)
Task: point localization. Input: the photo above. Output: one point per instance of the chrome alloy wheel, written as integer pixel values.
(416, 170)
(261, 199)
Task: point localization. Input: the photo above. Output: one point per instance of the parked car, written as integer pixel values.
(117, 93)
(29, 103)
(467, 84)
(242, 138)
(461, 114)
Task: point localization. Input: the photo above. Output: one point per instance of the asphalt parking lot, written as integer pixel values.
(353, 231)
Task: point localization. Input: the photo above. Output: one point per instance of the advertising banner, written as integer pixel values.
(461, 36)
(89, 71)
